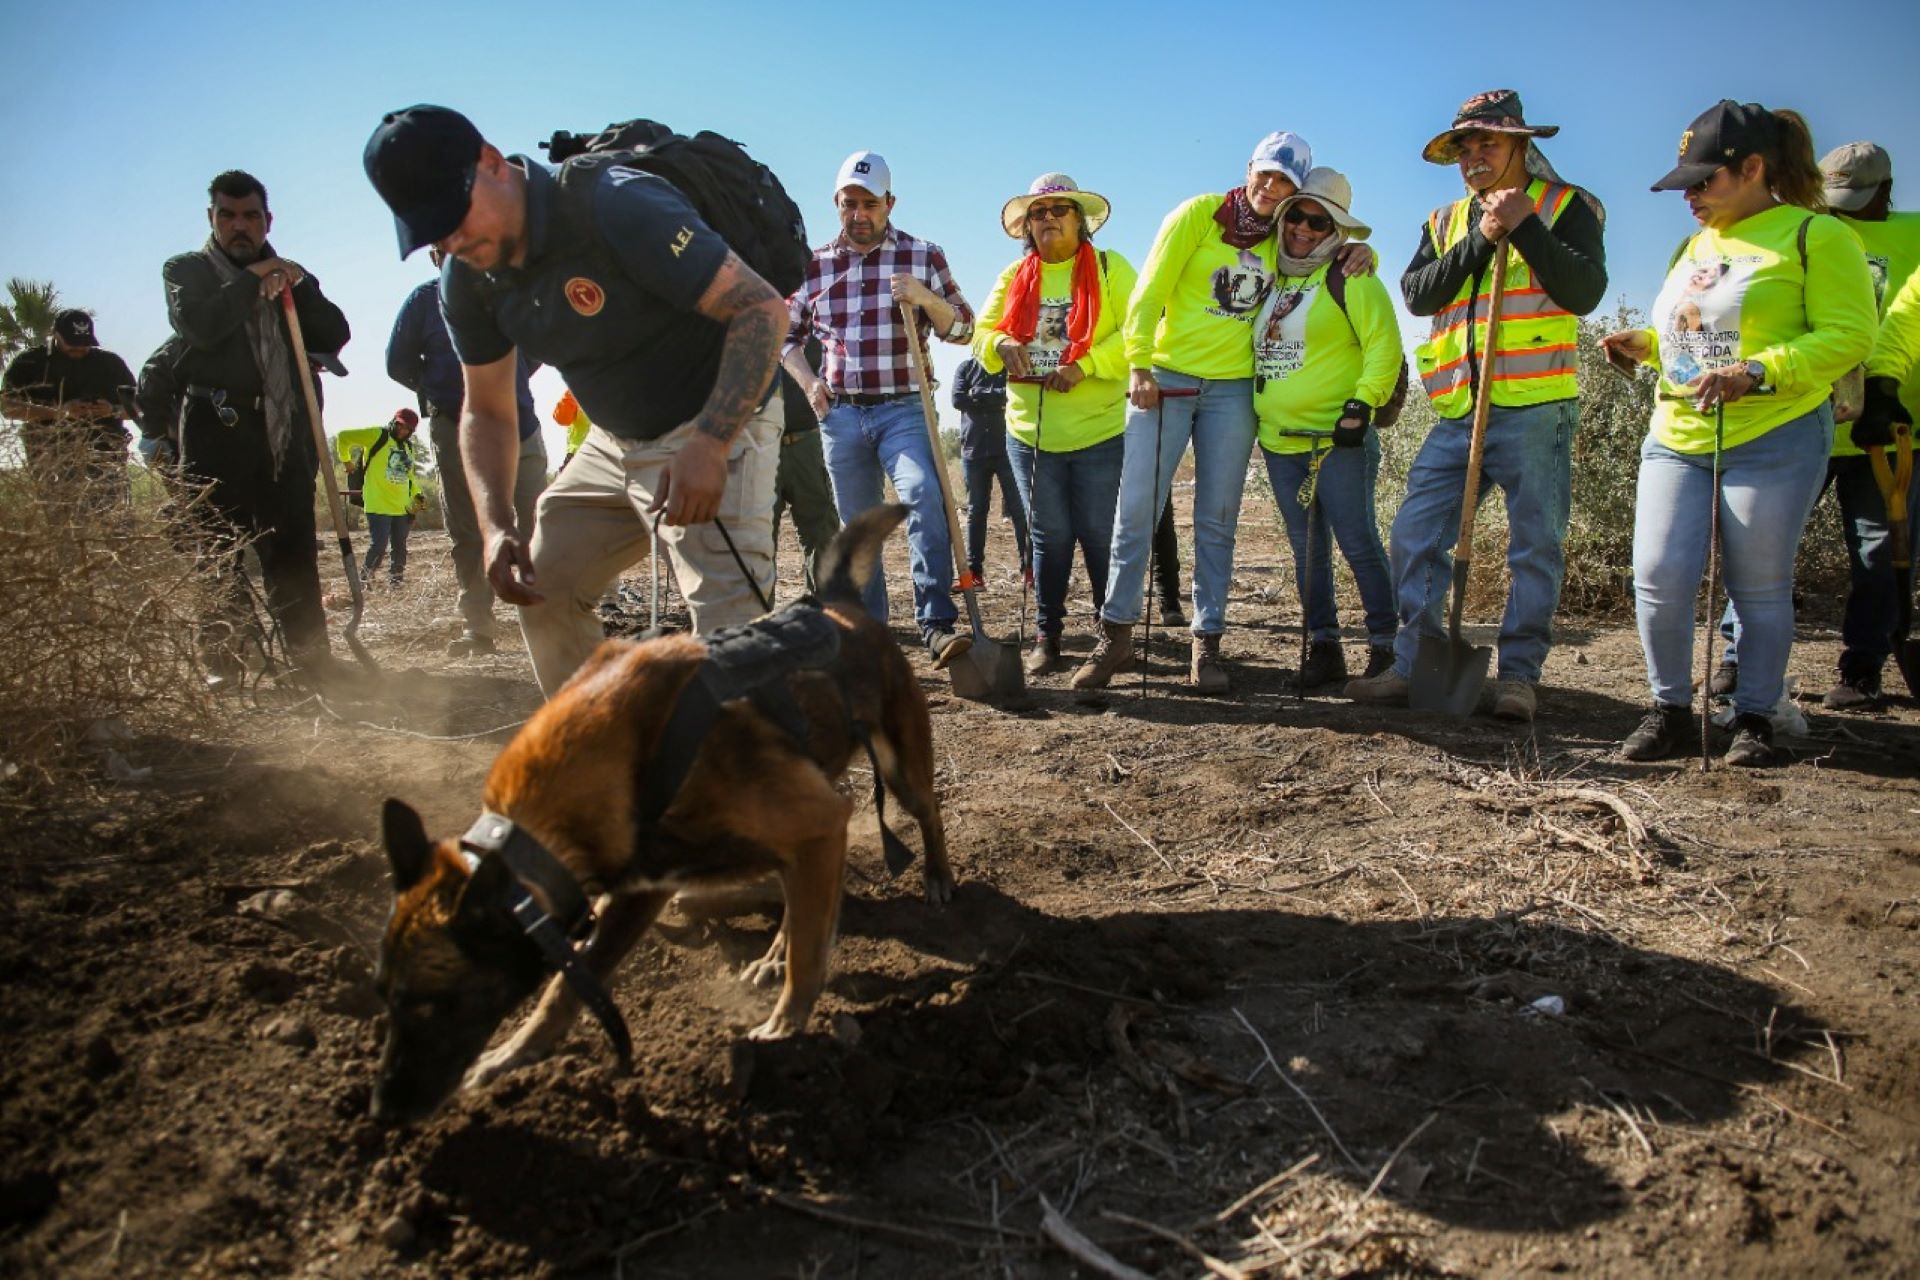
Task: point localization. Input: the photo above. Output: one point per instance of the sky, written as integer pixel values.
(117, 114)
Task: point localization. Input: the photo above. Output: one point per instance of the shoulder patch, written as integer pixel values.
(585, 296)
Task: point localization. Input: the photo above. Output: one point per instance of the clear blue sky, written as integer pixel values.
(117, 115)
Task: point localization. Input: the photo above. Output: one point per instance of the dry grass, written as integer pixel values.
(99, 600)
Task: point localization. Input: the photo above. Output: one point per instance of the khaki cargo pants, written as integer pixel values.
(593, 523)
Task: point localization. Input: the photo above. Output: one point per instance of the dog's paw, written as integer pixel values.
(767, 971)
(777, 1027)
(491, 1066)
(939, 887)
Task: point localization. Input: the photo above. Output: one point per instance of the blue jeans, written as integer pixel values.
(1343, 506)
(1767, 491)
(1220, 423)
(864, 443)
(1528, 452)
(981, 473)
(382, 530)
(1071, 497)
(1873, 593)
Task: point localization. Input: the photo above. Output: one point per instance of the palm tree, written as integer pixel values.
(26, 317)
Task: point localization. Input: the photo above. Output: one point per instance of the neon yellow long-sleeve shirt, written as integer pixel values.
(1309, 359)
(1197, 297)
(389, 489)
(1741, 294)
(1896, 352)
(1096, 408)
(1893, 254)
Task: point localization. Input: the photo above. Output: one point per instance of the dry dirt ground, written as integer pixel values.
(1256, 986)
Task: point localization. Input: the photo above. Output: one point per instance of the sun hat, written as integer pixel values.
(1329, 189)
(1094, 209)
(1495, 111)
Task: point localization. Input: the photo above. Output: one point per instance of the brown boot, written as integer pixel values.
(1111, 656)
(1207, 675)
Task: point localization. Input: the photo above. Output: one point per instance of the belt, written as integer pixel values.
(791, 436)
(218, 396)
(868, 401)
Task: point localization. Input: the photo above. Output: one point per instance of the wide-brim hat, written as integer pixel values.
(1495, 111)
(1094, 208)
(1329, 189)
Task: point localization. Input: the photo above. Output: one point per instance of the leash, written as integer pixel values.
(653, 563)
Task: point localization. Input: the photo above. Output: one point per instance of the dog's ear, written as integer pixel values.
(483, 901)
(408, 848)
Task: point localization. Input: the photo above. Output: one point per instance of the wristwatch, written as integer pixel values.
(1756, 371)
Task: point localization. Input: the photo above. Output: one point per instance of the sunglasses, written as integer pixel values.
(1700, 187)
(1045, 211)
(227, 414)
(1313, 221)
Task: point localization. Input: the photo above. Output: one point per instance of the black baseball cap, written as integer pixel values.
(1725, 133)
(75, 328)
(421, 161)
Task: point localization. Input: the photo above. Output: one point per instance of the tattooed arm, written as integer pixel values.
(756, 318)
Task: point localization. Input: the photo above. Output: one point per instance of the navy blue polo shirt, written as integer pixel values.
(618, 322)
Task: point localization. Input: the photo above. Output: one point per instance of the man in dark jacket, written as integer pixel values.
(243, 423)
(981, 398)
(420, 358)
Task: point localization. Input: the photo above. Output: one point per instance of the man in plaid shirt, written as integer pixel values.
(866, 397)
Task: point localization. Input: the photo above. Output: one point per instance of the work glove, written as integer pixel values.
(1351, 431)
(1879, 411)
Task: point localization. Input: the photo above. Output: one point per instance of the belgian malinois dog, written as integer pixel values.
(754, 795)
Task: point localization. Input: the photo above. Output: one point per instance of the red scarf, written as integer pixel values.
(1240, 226)
(1022, 318)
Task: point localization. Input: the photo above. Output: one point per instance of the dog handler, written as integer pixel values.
(1760, 312)
(666, 337)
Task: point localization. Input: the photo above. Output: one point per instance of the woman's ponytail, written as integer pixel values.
(1792, 171)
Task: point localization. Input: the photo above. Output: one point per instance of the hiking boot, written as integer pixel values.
(1726, 678)
(1325, 663)
(1513, 700)
(1752, 746)
(1854, 693)
(1044, 657)
(1386, 688)
(1664, 731)
(945, 646)
(1379, 660)
(470, 645)
(1206, 675)
(1112, 655)
(1171, 615)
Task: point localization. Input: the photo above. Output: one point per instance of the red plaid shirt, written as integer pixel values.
(847, 301)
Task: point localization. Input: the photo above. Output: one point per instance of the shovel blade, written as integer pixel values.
(1448, 675)
(989, 669)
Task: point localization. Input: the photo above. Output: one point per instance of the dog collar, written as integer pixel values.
(555, 932)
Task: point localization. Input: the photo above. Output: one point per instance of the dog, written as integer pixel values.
(576, 783)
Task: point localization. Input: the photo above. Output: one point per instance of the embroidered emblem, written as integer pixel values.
(1685, 139)
(681, 241)
(585, 297)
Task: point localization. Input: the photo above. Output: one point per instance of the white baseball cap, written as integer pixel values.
(866, 170)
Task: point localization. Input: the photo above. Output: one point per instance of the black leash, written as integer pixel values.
(766, 605)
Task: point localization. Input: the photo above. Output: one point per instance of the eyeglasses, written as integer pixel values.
(1045, 211)
(1700, 187)
(1313, 221)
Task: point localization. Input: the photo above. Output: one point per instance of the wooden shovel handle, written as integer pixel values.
(963, 576)
(1482, 404)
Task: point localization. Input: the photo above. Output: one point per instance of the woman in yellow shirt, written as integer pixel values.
(1053, 324)
(1761, 312)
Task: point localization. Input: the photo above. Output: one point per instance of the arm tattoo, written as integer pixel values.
(755, 332)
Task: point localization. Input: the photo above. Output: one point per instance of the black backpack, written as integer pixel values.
(1389, 413)
(736, 195)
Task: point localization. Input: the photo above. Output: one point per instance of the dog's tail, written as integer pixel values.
(847, 565)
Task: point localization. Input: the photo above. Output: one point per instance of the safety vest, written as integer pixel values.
(1538, 345)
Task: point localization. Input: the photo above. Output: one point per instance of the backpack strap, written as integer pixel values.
(1800, 241)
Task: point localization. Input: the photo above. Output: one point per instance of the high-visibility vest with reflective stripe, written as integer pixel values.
(1538, 343)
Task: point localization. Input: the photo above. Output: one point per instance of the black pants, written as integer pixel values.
(1166, 556)
(248, 501)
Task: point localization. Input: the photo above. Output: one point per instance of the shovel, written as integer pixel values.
(1448, 673)
(333, 485)
(989, 668)
(1894, 484)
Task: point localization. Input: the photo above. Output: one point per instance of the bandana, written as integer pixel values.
(1240, 226)
(1022, 318)
(271, 349)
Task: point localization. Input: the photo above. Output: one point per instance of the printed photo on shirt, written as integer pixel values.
(1877, 264)
(1698, 315)
(1239, 289)
(1049, 336)
(1280, 345)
